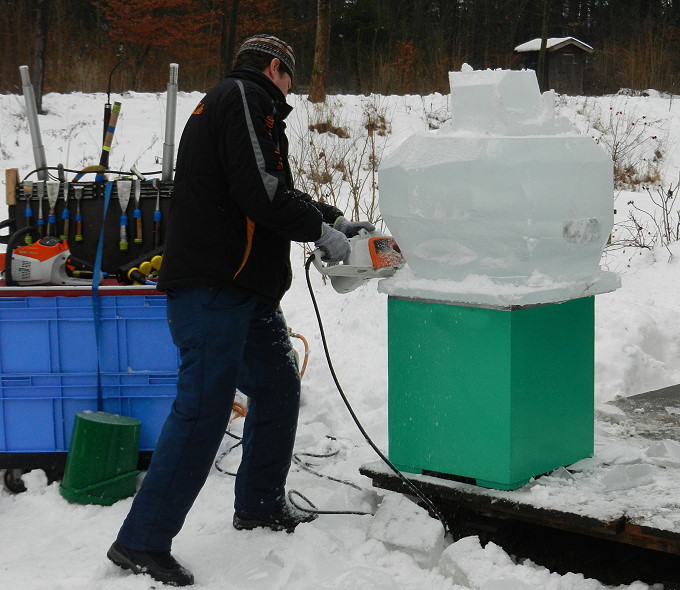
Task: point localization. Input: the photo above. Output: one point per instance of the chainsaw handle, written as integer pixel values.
(340, 269)
(316, 259)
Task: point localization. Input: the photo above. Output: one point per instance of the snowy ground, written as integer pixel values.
(49, 544)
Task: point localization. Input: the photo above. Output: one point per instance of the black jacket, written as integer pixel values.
(234, 210)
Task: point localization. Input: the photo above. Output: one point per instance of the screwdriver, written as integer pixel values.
(28, 213)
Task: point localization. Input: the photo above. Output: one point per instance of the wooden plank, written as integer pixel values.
(11, 181)
(462, 496)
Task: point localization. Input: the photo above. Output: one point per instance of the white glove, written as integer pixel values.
(351, 228)
(333, 243)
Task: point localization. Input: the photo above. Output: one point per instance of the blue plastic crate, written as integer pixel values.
(56, 335)
(37, 412)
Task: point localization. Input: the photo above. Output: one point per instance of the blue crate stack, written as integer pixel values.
(48, 367)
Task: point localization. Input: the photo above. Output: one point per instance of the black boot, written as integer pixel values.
(162, 567)
(287, 518)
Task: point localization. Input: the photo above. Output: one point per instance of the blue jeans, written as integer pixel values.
(226, 341)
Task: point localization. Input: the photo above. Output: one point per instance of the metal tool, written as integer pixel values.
(372, 256)
(78, 194)
(123, 188)
(157, 215)
(33, 125)
(52, 196)
(41, 219)
(137, 213)
(65, 214)
(170, 116)
(28, 212)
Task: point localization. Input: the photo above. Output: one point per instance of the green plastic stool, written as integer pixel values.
(101, 467)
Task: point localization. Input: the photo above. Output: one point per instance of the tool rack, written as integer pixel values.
(92, 207)
(47, 335)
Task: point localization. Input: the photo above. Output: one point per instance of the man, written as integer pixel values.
(225, 268)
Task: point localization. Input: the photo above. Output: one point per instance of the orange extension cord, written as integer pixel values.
(238, 410)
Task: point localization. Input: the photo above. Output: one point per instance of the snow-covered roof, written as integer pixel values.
(552, 44)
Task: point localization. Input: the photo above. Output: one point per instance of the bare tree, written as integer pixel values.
(319, 81)
(42, 8)
(544, 42)
(228, 34)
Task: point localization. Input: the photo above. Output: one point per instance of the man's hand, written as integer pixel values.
(333, 243)
(351, 228)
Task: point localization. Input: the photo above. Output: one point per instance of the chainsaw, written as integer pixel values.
(47, 261)
(372, 256)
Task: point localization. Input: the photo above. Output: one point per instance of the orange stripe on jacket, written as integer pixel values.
(250, 230)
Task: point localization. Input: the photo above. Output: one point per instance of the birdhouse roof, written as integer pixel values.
(552, 44)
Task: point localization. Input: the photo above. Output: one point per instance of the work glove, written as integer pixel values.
(351, 228)
(334, 244)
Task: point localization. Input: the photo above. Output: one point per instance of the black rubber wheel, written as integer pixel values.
(13, 481)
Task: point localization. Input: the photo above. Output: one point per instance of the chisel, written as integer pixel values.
(138, 212)
(157, 215)
(41, 220)
(52, 196)
(28, 213)
(123, 188)
(78, 193)
(65, 214)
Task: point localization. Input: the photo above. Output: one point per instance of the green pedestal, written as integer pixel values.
(495, 395)
(101, 466)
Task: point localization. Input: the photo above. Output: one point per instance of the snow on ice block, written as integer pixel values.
(507, 190)
(402, 523)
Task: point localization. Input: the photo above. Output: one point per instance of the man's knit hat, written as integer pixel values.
(271, 46)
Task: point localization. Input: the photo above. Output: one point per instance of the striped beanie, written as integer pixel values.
(271, 46)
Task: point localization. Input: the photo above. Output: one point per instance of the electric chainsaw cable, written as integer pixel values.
(407, 482)
(292, 494)
(304, 466)
(219, 459)
(308, 467)
(119, 172)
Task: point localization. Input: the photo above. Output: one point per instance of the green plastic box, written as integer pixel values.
(496, 395)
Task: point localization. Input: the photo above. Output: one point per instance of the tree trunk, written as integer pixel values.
(42, 8)
(541, 73)
(228, 35)
(318, 85)
(138, 65)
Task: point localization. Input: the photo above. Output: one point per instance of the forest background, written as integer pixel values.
(373, 46)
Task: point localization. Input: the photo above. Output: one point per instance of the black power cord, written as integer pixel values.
(407, 482)
(71, 170)
(308, 468)
(303, 465)
(219, 459)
